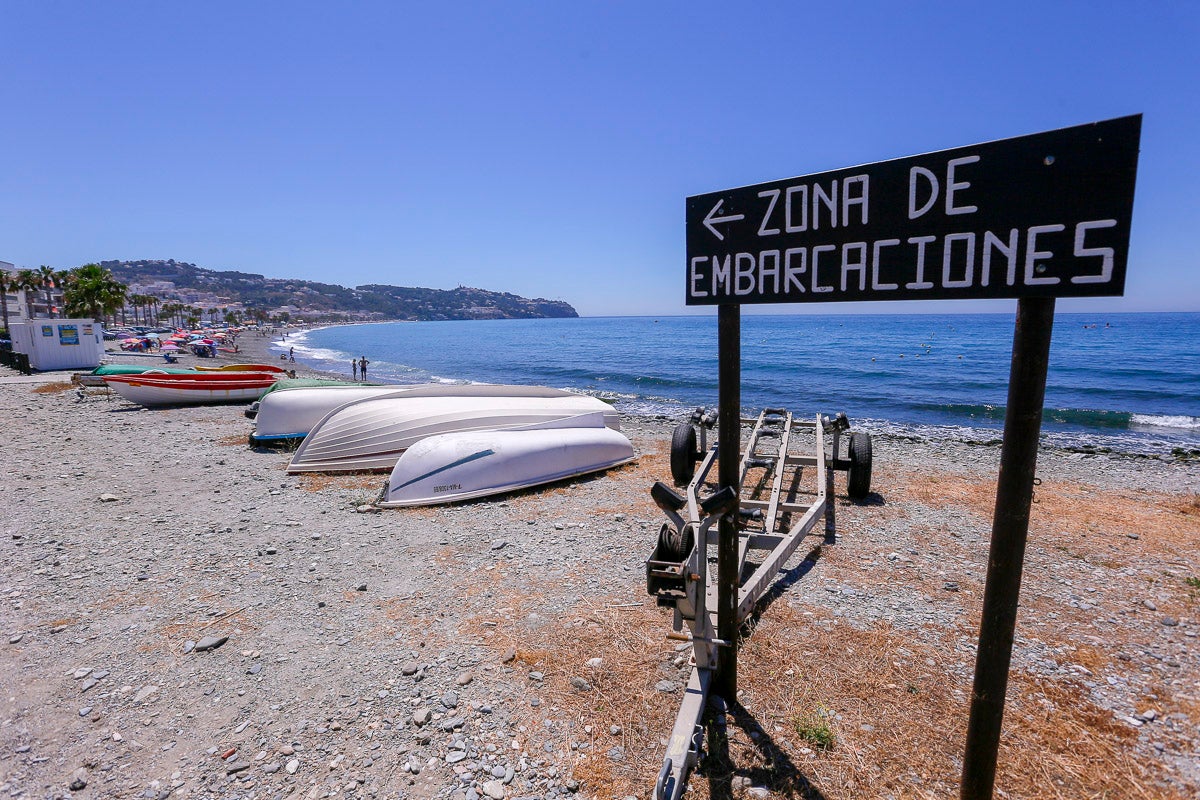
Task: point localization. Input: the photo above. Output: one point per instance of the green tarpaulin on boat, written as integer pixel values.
(138, 369)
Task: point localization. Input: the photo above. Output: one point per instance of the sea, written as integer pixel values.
(1125, 383)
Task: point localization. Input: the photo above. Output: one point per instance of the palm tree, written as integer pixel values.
(139, 302)
(46, 277)
(91, 291)
(27, 280)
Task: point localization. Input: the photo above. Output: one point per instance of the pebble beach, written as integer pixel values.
(182, 618)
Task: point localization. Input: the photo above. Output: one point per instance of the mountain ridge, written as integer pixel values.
(169, 279)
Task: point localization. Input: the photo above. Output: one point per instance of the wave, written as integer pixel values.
(1079, 417)
(1165, 421)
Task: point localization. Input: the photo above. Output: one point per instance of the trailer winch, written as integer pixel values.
(786, 481)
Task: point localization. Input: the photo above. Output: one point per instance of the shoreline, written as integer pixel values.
(1172, 474)
(1073, 425)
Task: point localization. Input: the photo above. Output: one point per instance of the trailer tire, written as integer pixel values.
(683, 454)
(858, 483)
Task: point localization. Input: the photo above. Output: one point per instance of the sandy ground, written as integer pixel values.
(507, 648)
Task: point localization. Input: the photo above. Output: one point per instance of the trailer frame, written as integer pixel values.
(677, 572)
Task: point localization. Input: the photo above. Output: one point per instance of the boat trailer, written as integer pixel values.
(786, 480)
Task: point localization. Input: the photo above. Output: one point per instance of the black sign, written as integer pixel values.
(1042, 215)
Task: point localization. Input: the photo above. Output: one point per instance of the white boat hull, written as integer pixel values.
(293, 413)
(148, 394)
(461, 466)
(370, 434)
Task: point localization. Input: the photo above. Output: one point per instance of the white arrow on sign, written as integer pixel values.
(709, 219)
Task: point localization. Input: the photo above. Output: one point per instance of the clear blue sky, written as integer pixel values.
(545, 148)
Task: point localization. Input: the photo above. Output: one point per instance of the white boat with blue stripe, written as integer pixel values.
(461, 466)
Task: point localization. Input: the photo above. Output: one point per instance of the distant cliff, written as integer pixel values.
(183, 282)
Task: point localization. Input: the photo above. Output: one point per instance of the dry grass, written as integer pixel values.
(894, 702)
(894, 707)
(900, 720)
(1189, 505)
(58, 387)
(325, 481)
(630, 641)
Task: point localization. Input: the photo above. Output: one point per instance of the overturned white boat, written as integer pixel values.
(460, 466)
(372, 433)
(292, 413)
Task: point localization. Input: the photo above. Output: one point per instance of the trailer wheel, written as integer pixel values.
(858, 483)
(683, 454)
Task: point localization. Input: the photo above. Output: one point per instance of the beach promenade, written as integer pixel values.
(182, 618)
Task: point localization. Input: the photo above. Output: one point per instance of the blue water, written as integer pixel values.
(1127, 382)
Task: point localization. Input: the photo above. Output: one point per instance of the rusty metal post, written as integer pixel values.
(729, 443)
(1010, 527)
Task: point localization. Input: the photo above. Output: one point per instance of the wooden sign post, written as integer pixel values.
(1033, 218)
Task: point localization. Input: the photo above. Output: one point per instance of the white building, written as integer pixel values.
(23, 305)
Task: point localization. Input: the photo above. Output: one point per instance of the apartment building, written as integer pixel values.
(22, 304)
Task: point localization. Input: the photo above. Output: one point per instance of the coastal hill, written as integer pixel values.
(177, 280)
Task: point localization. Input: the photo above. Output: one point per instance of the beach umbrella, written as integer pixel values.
(170, 346)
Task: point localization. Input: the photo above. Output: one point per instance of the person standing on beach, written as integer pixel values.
(354, 368)
(362, 367)
(292, 354)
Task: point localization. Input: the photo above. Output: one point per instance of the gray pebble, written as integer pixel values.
(210, 643)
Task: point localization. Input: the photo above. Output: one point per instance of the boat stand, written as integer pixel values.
(786, 477)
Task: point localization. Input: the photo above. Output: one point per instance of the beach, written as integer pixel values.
(507, 648)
